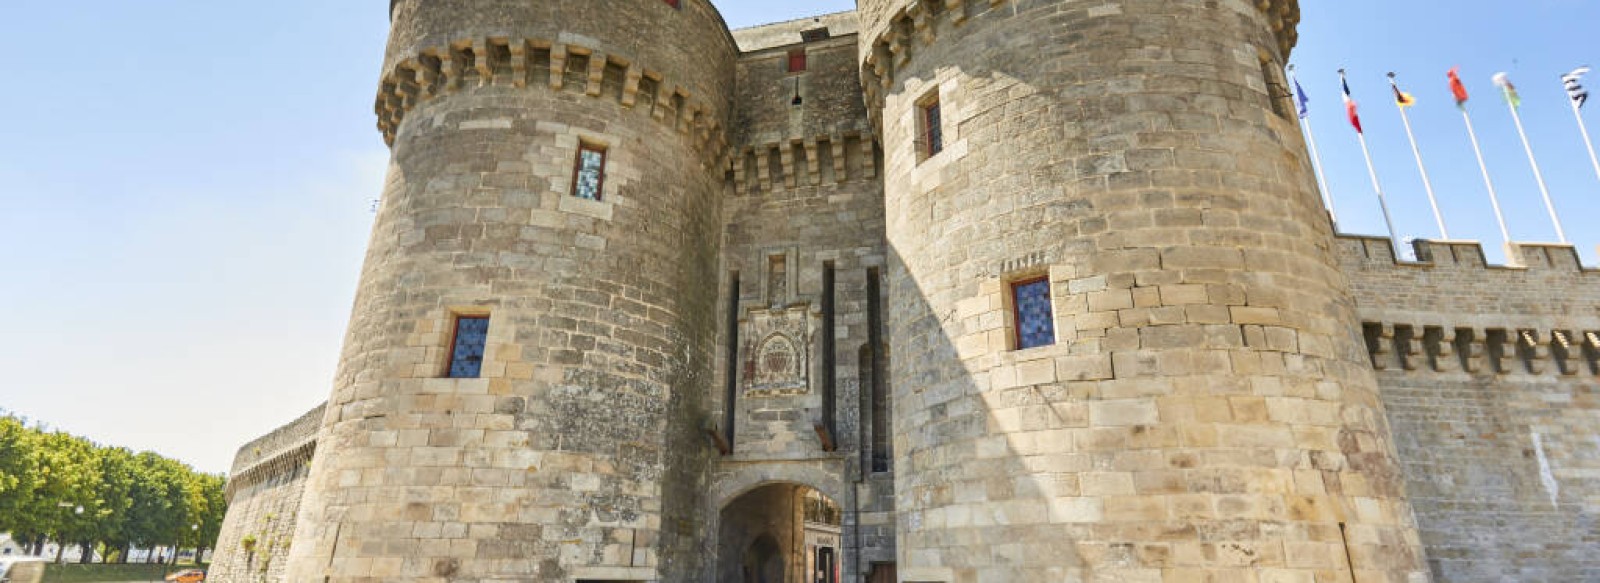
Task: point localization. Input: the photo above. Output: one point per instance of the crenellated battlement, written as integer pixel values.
(464, 64)
(1378, 253)
(899, 30)
(803, 162)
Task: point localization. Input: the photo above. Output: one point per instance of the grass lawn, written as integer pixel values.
(73, 573)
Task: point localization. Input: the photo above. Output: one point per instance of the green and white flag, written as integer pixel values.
(1503, 81)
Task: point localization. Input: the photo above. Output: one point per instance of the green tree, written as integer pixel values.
(157, 502)
(119, 474)
(19, 477)
(209, 516)
(69, 479)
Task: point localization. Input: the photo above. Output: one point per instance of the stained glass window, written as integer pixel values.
(591, 172)
(466, 356)
(933, 135)
(1036, 324)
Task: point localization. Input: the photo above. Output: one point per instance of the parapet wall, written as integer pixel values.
(1488, 374)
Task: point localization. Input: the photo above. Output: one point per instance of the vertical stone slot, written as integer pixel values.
(775, 166)
(1465, 339)
(465, 57)
(646, 97)
(777, 281)
(432, 75)
(825, 160)
(676, 100)
(1405, 343)
(864, 378)
(881, 455)
(730, 394)
(613, 80)
(1526, 350)
(576, 75)
(830, 404)
(539, 67)
(1561, 351)
(1432, 346)
(1591, 351)
(1495, 349)
(1373, 334)
(852, 163)
(500, 60)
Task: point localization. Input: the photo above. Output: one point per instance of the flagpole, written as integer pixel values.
(1383, 202)
(1577, 112)
(1427, 184)
(1316, 159)
(1537, 175)
(1494, 199)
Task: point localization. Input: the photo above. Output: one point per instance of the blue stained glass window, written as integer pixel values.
(591, 172)
(466, 357)
(935, 133)
(1036, 325)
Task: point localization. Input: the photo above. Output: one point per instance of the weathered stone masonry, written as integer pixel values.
(783, 289)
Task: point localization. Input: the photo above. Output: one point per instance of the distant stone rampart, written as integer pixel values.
(264, 491)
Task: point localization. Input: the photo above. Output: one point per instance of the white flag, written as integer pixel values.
(1575, 90)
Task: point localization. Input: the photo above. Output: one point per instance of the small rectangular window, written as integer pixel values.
(929, 131)
(672, 3)
(590, 174)
(1035, 319)
(797, 60)
(466, 348)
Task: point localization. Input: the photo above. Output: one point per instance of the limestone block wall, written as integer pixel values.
(1492, 384)
(579, 452)
(807, 199)
(1206, 411)
(264, 490)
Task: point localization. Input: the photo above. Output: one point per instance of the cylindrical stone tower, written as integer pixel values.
(520, 391)
(1128, 173)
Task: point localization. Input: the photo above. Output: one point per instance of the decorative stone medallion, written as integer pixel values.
(776, 353)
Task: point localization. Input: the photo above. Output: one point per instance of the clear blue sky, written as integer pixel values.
(184, 185)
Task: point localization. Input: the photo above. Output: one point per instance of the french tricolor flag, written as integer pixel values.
(1350, 104)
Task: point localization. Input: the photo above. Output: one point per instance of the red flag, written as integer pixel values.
(1457, 88)
(1350, 106)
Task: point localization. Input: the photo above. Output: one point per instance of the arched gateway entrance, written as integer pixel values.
(780, 533)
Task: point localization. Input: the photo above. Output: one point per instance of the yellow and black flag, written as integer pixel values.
(1402, 98)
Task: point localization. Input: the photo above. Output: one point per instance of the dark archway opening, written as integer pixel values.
(781, 533)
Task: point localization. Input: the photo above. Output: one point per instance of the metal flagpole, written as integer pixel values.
(1537, 175)
(1316, 159)
(1382, 201)
(1578, 113)
(1426, 183)
(1494, 199)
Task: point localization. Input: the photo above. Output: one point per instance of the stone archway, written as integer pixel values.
(780, 533)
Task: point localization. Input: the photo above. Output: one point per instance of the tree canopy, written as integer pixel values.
(61, 487)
